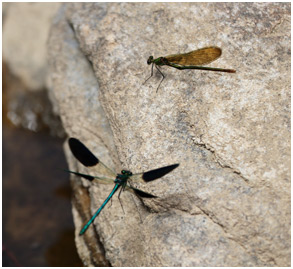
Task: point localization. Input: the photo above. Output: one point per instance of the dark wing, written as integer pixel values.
(88, 159)
(196, 57)
(140, 193)
(153, 174)
(93, 179)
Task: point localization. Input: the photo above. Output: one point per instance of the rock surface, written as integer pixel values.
(25, 33)
(228, 203)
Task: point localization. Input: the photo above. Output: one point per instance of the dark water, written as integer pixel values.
(37, 221)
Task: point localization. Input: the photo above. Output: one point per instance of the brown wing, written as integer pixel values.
(196, 57)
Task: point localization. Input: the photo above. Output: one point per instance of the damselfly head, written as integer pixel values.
(150, 59)
(126, 173)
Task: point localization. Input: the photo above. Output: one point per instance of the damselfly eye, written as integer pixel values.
(150, 60)
(123, 172)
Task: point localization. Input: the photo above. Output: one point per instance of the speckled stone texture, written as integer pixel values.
(228, 203)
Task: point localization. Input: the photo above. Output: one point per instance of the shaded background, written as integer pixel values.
(37, 221)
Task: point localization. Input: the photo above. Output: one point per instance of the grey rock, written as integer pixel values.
(25, 33)
(228, 203)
